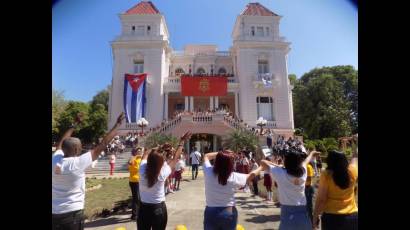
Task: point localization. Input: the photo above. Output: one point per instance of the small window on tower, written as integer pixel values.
(148, 29)
(133, 28)
(267, 31)
(259, 31)
(138, 66)
(140, 30)
(253, 31)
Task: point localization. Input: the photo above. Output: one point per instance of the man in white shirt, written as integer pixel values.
(195, 160)
(68, 177)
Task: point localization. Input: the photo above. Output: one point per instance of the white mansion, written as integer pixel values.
(258, 51)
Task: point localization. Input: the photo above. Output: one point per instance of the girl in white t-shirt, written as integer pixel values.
(291, 181)
(153, 172)
(220, 185)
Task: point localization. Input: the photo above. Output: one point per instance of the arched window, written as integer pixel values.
(200, 71)
(222, 70)
(263, 66)
(138, 66)
(179, 72)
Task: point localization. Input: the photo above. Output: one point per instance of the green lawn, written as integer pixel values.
(112, 192)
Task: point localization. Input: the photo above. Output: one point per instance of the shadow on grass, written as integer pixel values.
(107, 221)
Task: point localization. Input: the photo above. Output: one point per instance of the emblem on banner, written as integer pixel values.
(204, 85)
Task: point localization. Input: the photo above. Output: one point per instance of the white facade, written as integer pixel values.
(257, 48)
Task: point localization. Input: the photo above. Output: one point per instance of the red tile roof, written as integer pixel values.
(143, 7)
(256, 9)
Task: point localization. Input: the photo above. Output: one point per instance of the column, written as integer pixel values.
(186, 104)
(191, 104)
(216, 102)
(214, 144)
(211, 103)
(166, 106)
(236, 105)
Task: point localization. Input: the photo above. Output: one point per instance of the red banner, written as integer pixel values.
(204, 86)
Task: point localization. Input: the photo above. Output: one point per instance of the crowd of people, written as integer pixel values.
(153, 171)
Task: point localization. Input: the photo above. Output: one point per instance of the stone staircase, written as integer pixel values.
(103, 166)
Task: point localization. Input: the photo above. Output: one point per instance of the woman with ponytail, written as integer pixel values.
(291, 180)
(220, 185)
(154, 170)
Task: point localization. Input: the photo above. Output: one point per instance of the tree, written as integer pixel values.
(102, 97)
(293, 79)
(58, 104)
(66, 118)
(97, 123)
(155, 139)
(321, 107)
(348, 77)
(238, 140)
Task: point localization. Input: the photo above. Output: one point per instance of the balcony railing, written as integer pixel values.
(265, 79)
(218, 53)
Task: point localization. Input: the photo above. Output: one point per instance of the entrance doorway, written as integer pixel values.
(205, 143)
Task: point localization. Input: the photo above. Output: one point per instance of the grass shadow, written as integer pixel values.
(107, 221)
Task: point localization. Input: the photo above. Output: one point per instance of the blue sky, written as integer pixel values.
(322, 33)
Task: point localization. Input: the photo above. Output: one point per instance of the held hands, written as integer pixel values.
(315, 222)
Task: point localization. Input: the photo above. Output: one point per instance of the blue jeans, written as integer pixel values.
(219, 218)
(294, 217)
(309, 191)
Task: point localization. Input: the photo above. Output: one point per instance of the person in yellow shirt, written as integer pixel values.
(336, 194)
(133, 167)
(309, 190)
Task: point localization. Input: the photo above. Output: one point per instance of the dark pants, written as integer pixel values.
(135, 197)
(68, 221)
(255, 185)
(153, 216)
(194, 168)
(219, 218)
(339, 222)
(309, 191)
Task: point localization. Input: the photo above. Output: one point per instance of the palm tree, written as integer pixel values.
(155, 139)
(238, 140)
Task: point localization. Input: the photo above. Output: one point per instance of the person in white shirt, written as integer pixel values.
(179, 169)
(153, 172)
(68, 177)
(291, 181)
(220, 185)
(195, 160)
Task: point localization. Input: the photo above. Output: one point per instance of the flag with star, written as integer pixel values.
(134, 96)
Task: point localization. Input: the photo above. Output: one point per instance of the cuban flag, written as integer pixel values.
(134, 96)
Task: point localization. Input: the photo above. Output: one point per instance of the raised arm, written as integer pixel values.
(308, 158)
(178, 151)
(70, 131)
(108, 137)
(210, 156)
